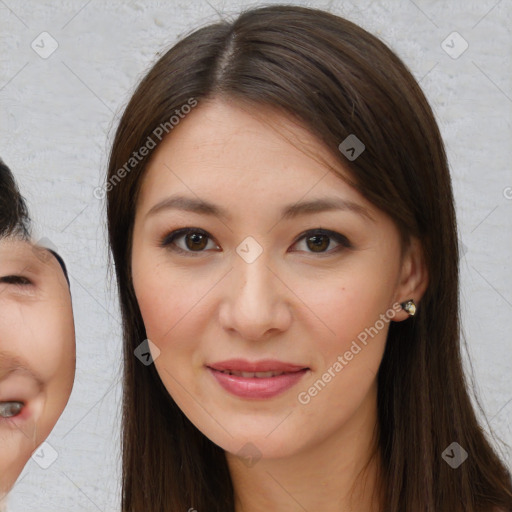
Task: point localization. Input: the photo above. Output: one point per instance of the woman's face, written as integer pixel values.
(37, 351)
(251, 282)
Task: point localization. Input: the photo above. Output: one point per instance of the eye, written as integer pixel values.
(15, 280)
(195, 240)
(10, 409)
(319, 240)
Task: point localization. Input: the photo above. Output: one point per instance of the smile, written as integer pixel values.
(257, 385)
(258, 375)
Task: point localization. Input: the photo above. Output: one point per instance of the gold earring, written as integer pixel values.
(409, 306)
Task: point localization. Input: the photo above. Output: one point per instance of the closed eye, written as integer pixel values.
(195, 241)
(15, 280)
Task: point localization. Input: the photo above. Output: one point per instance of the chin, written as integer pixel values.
(256, 444)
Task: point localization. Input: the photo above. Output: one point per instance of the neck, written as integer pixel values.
(339, 474)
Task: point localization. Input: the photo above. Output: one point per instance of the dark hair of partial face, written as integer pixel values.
(336, 79)
(14, 218)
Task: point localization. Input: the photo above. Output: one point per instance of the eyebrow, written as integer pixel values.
(10, 364)
(291, 211)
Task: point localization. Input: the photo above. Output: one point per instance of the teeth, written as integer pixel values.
(251, 375)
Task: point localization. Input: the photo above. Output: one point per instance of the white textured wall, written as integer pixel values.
(56, 116)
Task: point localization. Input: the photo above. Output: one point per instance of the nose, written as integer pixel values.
(257, 304)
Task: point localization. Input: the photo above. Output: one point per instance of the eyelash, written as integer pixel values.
(15, 280)
(167, 241)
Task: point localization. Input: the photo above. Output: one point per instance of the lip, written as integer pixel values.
(265, 365)
(257, 387)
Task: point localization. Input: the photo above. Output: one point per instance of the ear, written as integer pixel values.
(413, 278)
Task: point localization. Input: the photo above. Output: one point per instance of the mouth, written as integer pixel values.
(256, 380)
(254, 375)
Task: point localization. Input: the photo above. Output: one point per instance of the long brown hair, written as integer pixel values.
(337, 80)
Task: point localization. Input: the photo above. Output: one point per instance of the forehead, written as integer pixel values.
(245, 134)
(12, 248)
(14, 245)
(18, 255)
(242, 155)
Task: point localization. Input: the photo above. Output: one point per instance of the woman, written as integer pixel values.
(278, 203)
(37, 338)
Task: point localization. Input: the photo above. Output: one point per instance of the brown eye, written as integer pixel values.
(318, 243)
(194, 240)
(319, 240)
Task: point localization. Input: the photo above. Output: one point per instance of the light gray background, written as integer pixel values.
(57, 118)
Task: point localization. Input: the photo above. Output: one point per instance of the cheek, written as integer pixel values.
(350, 342)
(169, 309)
(347, 303)
(14, 458)
(164, 304)
(60, 340)
(53, 354)
(168, 298)
(17, 442)
(49, 341)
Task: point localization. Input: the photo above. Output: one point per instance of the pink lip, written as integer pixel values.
(255, 387)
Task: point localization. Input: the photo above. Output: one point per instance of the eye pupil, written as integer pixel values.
(198, 240)
(319, 242)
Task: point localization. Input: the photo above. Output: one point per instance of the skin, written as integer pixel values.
(292, 303)
(36, 332)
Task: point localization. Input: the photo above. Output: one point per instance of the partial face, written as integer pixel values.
(257, 285)
(37, 352)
